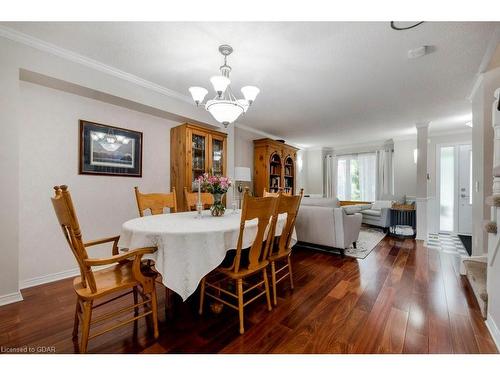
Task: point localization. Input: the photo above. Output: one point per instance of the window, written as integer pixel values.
(356, 177)
(447, 189)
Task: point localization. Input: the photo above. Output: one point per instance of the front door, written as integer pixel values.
(464, 189)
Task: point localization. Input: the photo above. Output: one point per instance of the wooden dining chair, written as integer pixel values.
(155, 202)
(122, 275)
(245, 263)
(280, 252)
(271, 194)
(191, 199)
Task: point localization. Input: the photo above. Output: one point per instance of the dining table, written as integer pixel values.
(190, 245)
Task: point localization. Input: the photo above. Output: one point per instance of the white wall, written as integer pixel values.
(49, 156)
(39, 146)
(405, 169)
(482, 161)
(243, 150)
(9, 186)
(313, 172)
(491, 81)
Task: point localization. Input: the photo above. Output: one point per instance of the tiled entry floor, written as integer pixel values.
(447, 243)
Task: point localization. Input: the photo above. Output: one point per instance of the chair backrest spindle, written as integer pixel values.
(155, 202)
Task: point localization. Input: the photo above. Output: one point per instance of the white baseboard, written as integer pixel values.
(11, 298)
(28, 283)
(494, 331)
(39, 280)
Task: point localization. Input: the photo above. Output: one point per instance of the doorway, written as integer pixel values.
(454, 172)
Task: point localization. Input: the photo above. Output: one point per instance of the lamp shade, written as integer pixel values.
(242, 174)
(220, 83)
(198, 94)
(224, 111)
(250, 93)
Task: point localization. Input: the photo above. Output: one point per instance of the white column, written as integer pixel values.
(496, 146)
(421, 199)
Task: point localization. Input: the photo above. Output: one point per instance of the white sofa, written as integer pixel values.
(321, 222)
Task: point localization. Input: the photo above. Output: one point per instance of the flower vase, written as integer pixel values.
(217, 208)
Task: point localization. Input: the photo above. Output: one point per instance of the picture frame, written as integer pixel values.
(109, 150)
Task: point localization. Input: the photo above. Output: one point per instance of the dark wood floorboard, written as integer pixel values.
(402, 298)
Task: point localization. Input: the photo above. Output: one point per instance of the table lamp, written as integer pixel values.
(241, 174)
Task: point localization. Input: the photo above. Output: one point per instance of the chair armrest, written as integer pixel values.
(105, 240)
(117, 258)
(384, 217)
(351, 228)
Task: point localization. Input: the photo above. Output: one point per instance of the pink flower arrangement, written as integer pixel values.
(214, 184)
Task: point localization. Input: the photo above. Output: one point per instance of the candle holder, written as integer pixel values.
(199, 209)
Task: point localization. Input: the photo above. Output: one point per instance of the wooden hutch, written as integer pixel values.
(195, 150)
(274, 166)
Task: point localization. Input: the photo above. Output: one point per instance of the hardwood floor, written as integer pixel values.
(403, 298)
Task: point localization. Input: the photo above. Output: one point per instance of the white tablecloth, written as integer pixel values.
(189, 247)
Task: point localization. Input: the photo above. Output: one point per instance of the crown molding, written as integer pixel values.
(41, 45)
(262, 133)
(422, 124)
(488, 55)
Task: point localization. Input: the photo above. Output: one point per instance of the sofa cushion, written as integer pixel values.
(352, 209)
(322, 202)
(372, 212)
(377, 205)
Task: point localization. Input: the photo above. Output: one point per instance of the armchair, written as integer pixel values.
(123, 275)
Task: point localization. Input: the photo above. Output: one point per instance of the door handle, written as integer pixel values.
(464, 196)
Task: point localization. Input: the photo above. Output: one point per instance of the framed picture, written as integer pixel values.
(108, 150)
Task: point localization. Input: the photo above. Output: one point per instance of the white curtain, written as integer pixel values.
(367, 165)
(385, 184)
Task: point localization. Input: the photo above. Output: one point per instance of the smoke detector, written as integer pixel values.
(415, 53)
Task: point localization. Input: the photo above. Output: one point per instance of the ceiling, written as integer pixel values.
(322, 84)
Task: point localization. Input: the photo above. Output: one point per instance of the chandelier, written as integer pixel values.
(109, 142)
(225, 107)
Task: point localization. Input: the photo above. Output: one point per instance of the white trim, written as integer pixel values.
(41, 45)
(11, 298)
(475, 87)
(256, 131)
(485, 61)
(56, 276)
(28, 283)
(494, 331)
(264, 134)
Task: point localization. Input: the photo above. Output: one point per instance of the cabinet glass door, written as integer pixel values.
(217, 156)
(198, 152)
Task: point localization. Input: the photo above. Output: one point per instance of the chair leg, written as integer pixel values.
(202, 296)
(77, 319)
(268, 295)
(136, 301)
(240, 304)
(273, 282)
(154, 310)
(290, 271)
(354, 244)
(87, 315)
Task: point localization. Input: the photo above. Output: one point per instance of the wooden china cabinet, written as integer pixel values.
(195, 150)
(274, 166)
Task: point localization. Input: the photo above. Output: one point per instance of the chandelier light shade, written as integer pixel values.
(225, 107)
(220, 84)
(250, 93)
(224, 111)
(198, 94)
